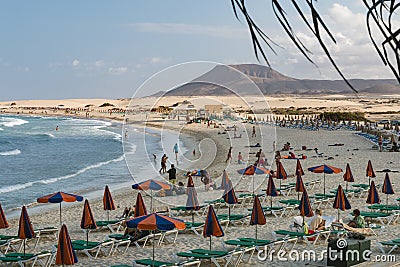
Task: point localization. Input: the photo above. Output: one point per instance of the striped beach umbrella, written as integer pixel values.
(152, 185)
(3, 219)
(305, 206)
(108, 202)
(25, 229)
(212, 227)
(299, 168)
(373, 196)
(230, 197)
(299, 185)
(252, 170)
(59, 197)
(341, 202)
(87, 222)
(387, 188)
(280, 173)
(370, 172)
(65, 252)
(140, 207)
(348, 175)
(155, 221)
(257, 214)
(325, 169)
(192, 203)
(224, 180)
(271, 189)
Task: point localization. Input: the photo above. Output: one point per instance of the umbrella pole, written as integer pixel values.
(153, 249)
(346, 185)
(60, 215)
(338, 215)
(210, 249)
(151, 200)
(387, 203)
(256, 233)
(271, 203)
(229, 212)
(87, 237)
(324, 185)
(108, 215)
(192, 218)
(298, 196)
(24, 246)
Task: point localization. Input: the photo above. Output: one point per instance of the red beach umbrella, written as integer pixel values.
(257, 214)
(140, 207)
(3, 219)
(348, 175)
(65, 252)
(341, 202)
(108, 202)
(25, 229)
(212, 227)
(370, 172)
(87, 221)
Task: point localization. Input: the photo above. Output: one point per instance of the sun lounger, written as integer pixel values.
(112, 225)
(105, 247)
(393, 244)
(196, 227)
(42, 258)
(165, 234)
(289, 201)
(155, 263)
(383, 217)
(213, 255)
(45, 232)
(310, 239)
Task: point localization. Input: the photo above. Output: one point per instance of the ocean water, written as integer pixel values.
(82, 156)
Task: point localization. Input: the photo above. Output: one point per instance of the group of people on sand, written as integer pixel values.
(318, 223)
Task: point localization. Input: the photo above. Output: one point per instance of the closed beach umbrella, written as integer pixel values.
(65, 252)
(230, 197)
(348, 175)
(192, 203)
(154, 221)
(305, 205)
(108, 202)
(225, 179)
(299, 168)
(257, 214)
(341, 202)
(299, 185)
(3, 219)
(59, 197)
(280, 173)
(212, 227)
(373, 196)
(153, 185)
(387, 188)
(325, 169)
(25, 229)
(140, 207)
(87, 221)
(271, 189)
(370, 172)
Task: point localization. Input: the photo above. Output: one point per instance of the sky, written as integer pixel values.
(107, 49)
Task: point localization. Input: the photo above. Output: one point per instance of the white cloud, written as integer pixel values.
(99, 63)
(117, 70)
(75, 62)
(219, 31)
(159, 60)
(353, 51)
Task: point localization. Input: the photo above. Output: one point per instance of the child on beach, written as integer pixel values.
(240, 158)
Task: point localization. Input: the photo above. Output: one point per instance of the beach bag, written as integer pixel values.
(311, 238)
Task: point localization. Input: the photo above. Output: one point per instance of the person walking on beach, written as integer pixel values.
(163, 164)
(380, 143)
(254, 132)
(176, 151)
(172, 174)
(229, 157)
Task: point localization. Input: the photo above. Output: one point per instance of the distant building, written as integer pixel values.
(213, 109)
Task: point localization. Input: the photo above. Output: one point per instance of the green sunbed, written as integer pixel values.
(290, 201)
(384, 207)
(8, 237)
(195, 224)
(291, 233)
(105, 223)
(232, 217)
(373, 215)
(363, 186)
(149, 262)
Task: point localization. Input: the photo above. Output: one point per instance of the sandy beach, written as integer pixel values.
(212, 145)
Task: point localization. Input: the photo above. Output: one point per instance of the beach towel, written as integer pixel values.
(363, 231)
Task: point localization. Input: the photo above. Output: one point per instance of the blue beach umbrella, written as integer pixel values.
(341, 202)
(59, 197)
(212, 227)
(387, 188)
(152, 185)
